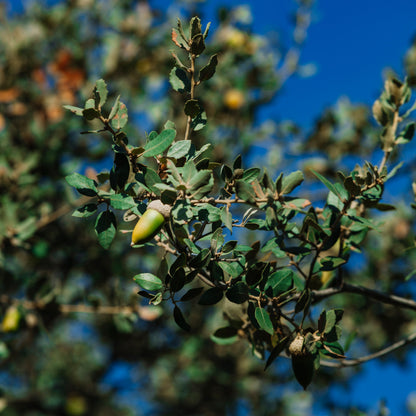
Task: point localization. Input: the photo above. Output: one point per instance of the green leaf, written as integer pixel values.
(227, 218)
(114, 109)
(245, 191)
(280, 282)
(180, 320)
(211, 296)
(234, 269)
(209, 70)
(394, 171)
(148, 281)
(333, 349)
(180, 149)
(290, 182)
(105, 228)
(160, 143)
(83, 185)
(199, 122)
(85, 211)
(122, 201)
(149, 179)
(119, 120)
(201, 260)
(331, 263)
(76, 110)
(407, 134)
(238, 293)
(250, 175)
(264, 321)
(178, 78)
(328, 184)
(100, 93)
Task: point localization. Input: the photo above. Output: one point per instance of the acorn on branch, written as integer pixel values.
(151, 222)
(302, 361)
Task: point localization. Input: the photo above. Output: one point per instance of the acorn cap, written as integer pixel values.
(296, 346)
(159, 206)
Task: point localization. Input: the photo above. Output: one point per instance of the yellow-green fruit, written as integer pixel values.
(151, 222)
(147, 227)
(11, 319)
(234, 99)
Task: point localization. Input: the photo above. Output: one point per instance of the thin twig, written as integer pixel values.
(318, 295)
(378, 354)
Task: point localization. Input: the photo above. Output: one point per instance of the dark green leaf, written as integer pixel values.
(180, 320)
(90, 113)
(211, 296)
(197, 44)
(407, 134)
(225, 332)
(303, 302)
(192, 108)
(195, 26)
(191, 294)
(178, 280)
(238, 293)
(276, 351)
(209, 70)
(225, 336)
(120, 171)
(105, 228)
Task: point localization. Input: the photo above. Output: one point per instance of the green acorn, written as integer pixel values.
(151, 222)
(302, 361)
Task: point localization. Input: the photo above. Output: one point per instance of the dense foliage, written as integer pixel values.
(249, 269)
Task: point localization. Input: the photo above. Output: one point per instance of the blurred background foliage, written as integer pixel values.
(75, 340)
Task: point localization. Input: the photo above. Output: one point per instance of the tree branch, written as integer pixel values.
(318, 295)
(378, 354)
